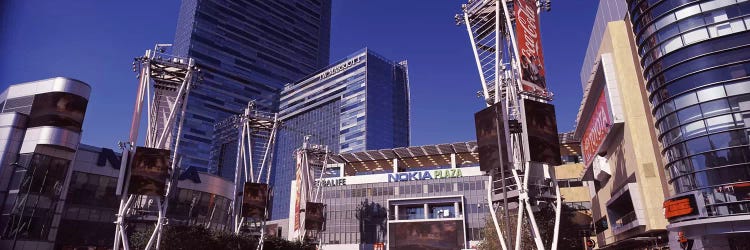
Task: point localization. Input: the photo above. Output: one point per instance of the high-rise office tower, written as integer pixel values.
(358, 103)
(246, 50)
(695, 57)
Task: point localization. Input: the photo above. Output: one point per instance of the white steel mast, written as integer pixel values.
(312, 160)
(256, 137)
(164, 84)
(492, 34)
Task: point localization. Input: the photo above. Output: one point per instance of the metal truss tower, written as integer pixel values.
(312, 161)
(256, 138)
(164, 83)
(516, 190)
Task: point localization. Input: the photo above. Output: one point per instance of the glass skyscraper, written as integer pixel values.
(246, 50)
(358, 103)
(695, 57)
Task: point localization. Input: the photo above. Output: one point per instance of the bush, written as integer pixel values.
(200, 238)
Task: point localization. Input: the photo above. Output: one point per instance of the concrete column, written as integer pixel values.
(341, 169)
(395, 165)
(426, 211)
(453, 161)
(395, 212)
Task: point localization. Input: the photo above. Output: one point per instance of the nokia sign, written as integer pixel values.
(425, 175)
(108, 155)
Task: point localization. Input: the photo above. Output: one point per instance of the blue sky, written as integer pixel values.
(96, 41)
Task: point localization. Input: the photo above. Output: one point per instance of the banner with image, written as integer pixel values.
(529, 43)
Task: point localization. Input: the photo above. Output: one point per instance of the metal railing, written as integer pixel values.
(626, 219)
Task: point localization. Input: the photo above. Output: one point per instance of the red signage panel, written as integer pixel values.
(529, 45)
(596, 129)
(680, 206)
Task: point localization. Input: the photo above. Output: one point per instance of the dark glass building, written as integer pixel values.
(695, 57)
(247, 50)
(358, 103)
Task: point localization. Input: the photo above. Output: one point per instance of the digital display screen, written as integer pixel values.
(58, 109)
(255, 201)
(315, 216)
(491, 138)
(543, 140)
(427, 235)
(149, 171)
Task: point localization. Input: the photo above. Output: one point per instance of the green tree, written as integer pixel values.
(545, 217)
(490, 241)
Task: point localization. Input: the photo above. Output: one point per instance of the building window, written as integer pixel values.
(564, 183)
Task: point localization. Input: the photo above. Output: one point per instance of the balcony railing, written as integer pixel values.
(626, 219)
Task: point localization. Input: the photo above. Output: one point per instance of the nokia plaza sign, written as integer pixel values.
(399, 177)
(425, 175)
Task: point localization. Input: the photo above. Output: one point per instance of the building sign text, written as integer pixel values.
(596, 130)
(425, 175)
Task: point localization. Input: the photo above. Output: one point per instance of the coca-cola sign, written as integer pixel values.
(597, 129)
(529, 45)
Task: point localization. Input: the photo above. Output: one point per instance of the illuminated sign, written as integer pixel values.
(330, 182)
(425, 175)
(596, 129)
(339, 68)
(680, 206)
(529, 45)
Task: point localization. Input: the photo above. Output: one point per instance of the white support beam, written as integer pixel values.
(156, 101)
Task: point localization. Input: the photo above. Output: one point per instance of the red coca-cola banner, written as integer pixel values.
(529, 45)
(596, 129)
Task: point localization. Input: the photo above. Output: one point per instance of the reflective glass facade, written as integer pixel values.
(32, 208)
(247, 50)
(356, 104)
(695, 57)
(91, 204)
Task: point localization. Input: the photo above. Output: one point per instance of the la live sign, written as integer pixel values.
(597, 129)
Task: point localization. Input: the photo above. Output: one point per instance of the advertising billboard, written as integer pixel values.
(541, 129)
(491, 138)
(315, 216)
(149, 171)
(529, 44)
(426, 235)
(597, 129)
(58, 109)
(255, 201)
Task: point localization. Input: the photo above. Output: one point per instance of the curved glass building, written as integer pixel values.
(695, 57)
